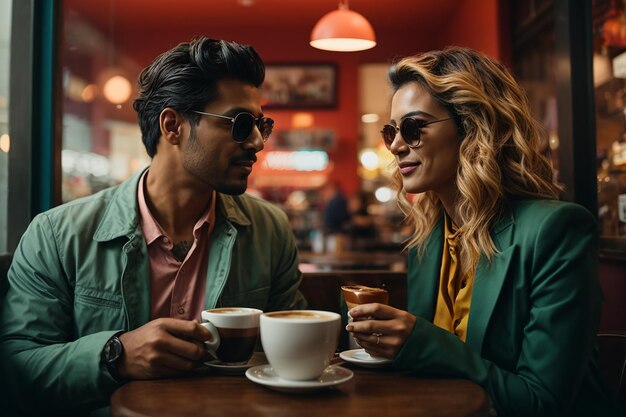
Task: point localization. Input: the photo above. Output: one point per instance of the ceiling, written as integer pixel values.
(152, 16)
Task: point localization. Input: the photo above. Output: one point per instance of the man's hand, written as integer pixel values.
(163, 347)
(380, 329)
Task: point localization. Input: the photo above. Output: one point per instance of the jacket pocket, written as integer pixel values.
(97, 298)
(96, 310)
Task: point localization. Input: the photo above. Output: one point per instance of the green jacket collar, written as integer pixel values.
(122, 214)
(488, 279)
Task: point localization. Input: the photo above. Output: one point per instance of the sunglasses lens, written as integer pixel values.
(410, 131)
(242, 127)
(388, 133)
(265, 125)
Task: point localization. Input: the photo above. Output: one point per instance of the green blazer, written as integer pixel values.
(533, 318)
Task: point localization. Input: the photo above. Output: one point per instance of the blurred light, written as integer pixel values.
(74, 86)
(370, 118)
(5, 143)
(297, 199)
(302, 120)
(602, 69)
(89, 93)
(553, 141)
(383, 194)
(117, 89)
(297, 160)
(85, 163)
(369, 159)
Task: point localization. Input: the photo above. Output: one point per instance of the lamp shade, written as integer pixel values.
(343, 30)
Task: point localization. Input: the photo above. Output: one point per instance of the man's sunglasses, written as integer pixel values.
(410, 129)
(243, 123)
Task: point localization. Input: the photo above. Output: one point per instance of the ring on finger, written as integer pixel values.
(378, 335)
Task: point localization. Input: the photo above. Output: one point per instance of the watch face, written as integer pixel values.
(112, 350)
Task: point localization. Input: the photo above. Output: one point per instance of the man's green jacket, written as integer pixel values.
(81, 274)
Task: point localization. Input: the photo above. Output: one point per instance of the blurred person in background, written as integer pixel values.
(361, 227)
(335, 208)
(502, 276)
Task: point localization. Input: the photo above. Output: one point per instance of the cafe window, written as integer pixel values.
(101, 143)
(609, 79)
(5, 140)
(534, 65)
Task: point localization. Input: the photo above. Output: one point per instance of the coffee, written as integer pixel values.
(298, 315)
(227, 310)
(234, 331)
(360, 294)
(236, 344)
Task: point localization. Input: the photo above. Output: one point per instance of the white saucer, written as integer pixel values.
(265, 375)
(361, 357)
(258, 358)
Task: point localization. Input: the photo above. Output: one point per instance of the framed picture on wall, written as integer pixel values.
(300, 86)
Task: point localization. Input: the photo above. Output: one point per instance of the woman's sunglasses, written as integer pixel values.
(243, 123)
(410, 129)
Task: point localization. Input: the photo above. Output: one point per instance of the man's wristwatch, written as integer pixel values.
(111, 354)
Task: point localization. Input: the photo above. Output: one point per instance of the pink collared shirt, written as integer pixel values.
(177, 288)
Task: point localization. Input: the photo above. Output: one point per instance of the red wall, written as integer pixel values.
(476, 27)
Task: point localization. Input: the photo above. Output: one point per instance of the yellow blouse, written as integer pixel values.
(455, 291)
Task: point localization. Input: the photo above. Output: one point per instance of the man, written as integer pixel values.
(108, 288)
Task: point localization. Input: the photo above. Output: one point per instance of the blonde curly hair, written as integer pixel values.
(500, 152)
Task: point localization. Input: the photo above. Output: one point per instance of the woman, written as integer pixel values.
(502, 284)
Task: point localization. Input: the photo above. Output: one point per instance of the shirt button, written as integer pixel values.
(181, 310)
(165, 240)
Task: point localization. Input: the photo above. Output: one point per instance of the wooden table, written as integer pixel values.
(377, 392)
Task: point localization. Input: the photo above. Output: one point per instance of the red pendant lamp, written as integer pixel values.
(343, 30)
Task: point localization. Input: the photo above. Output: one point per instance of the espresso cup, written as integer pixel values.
(360, 294)
(299, 344)
(234, 331)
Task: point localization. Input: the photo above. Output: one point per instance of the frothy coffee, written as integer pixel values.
(298, 315)
(227, 310)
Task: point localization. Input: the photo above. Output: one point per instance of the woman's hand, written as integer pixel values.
(380, 329)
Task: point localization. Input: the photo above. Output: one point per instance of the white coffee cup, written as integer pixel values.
(299, 344)
(234, 331)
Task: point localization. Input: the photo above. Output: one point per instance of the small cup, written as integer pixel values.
(234, 331)
(299, 344)
(360, 294)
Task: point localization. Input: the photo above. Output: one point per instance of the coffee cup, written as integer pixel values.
(299, 344)
(234, 331)
(361, 294)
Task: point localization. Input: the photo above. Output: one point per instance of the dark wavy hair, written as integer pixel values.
(185, 79)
